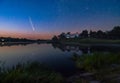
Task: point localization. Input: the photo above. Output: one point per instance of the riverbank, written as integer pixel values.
(33, 72)
(100, 67)
(76, 41)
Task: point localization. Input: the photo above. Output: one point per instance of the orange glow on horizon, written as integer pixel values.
(34, 35)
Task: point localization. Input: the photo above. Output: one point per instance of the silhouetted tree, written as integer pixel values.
(115, 33)
(84, 34)
(112, 34)
(55, 39)
(92, 34)
(62, 36)
(68, 33)
(100, 34)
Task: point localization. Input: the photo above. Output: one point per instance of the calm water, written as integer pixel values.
(57, 57)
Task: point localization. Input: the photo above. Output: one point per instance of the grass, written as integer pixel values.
(30, 73)
(104, 66)
(89, 41)
(96, 60)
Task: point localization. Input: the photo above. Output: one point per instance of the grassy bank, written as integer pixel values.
(89, 41)
(29, 73)
(104, 67)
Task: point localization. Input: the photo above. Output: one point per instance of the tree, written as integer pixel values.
(100, 34)
(115, 33)
(68, 33)
(62, 36)
(93, 34)
(55, 39)
(84, 34)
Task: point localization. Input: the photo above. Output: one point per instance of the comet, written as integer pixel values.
(31, 23)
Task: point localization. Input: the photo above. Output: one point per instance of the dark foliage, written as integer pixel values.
(112, 34)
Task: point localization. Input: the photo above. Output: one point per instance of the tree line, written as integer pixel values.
(112, 34)
(9, 39)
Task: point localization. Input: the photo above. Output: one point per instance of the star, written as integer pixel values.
(86, 8)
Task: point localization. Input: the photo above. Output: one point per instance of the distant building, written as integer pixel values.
(75, 35)
(2, 40)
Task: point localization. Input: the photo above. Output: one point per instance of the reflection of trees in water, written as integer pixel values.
(86, 48)
(75, 48)
(13, 44)
(70, 48)
(66, 47)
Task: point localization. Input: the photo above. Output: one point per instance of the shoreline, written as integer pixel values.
(89, 41)
(89, 44)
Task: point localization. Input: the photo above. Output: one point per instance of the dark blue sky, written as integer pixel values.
(55, 16)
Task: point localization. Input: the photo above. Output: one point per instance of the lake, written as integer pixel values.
(56, 56)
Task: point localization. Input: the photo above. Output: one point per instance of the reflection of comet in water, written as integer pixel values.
(31, 23)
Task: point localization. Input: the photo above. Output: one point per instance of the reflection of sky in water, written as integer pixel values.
(44, 53)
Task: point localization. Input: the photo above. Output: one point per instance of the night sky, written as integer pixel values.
(45, 18)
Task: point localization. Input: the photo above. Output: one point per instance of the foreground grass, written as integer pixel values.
(104, 66)
(30, 73)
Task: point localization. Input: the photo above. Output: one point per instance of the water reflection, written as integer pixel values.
(43, 53)
(56, 56)
(87, 48)
(13, 44)
(59, 57)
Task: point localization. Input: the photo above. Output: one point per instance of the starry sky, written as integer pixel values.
(44, 18)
